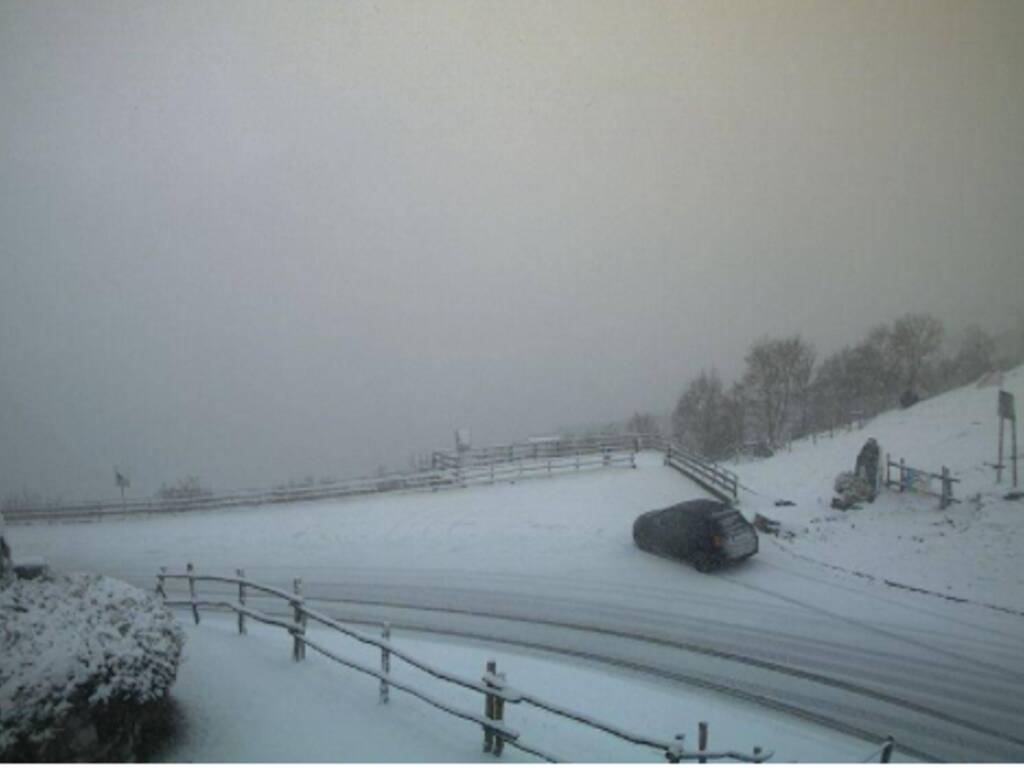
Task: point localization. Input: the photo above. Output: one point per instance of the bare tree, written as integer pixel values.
(643, 424)
(777, 371)
(913, 341)
(704, 418)
(975, 356)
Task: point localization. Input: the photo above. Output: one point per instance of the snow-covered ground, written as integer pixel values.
(972, 550)
(322, 711)
(549, 564)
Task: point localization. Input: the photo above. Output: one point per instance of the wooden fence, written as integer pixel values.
(909, 479)
(449, 470)
(493, 686)
(541, 449)
(571, 456)
(715, 479)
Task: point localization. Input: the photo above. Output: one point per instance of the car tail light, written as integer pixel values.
(717, 542)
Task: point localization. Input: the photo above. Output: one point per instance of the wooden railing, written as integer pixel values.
(540, 449)
(493, 686)
(715, 479)
(907, 480)
(446, 476)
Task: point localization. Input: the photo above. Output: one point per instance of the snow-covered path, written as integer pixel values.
(551, 563)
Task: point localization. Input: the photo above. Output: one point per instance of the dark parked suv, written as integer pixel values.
(708, 533)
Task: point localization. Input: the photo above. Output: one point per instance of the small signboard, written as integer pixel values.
(1006, 406)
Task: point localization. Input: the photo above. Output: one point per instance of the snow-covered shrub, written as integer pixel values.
(6, 566)
(84, 661)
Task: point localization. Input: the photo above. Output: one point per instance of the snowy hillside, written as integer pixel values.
(972, 550)
(550, 564)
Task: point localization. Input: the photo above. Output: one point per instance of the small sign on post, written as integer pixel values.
(1007, 412)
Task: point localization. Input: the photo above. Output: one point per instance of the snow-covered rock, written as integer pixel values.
(85, 663)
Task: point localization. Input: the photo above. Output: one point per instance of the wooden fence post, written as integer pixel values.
(947, 489)
(887, 750)
(499, 715)
(702, 740)
(903, 475)
(677, 748)
(192, 592)
(385, 663)
(241, 600)
(299, 647)
(160, 582)
(491, 669)
(757, 754)
(577, 461)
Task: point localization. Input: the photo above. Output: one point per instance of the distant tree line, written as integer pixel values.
(785, 392)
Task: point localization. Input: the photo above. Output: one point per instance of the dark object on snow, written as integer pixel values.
(909, 398)
(784, 503)
(852, 489)
(31, 568)
(867, 466)
(766, 524)
(843, 503)
(708, 533)
(1014, 495)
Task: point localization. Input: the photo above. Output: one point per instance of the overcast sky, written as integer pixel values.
(253, 241)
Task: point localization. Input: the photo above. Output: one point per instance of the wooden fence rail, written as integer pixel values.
(907, 480)
(493, 686)
(717, 480)
(433, 480)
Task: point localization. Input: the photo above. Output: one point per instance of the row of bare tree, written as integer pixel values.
(785, 393)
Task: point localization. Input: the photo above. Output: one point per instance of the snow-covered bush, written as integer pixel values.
(6, 566)
(84, 661)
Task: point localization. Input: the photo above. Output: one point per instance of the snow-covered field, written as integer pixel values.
(549, 564)
(972, 550)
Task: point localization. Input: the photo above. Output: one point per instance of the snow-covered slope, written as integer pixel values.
(972, 550)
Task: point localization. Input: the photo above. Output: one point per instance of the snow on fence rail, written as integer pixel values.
(493, 685)
(539, 449)
(717, 480)
(910, 479)
(572, 457)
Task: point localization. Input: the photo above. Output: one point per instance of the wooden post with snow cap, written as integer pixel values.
(240, 572)
(499, 715)
(192, 591)
(702, 740)
(490, 671)
(887, 746)
(676, 750)
(299, 646)
(385, 664)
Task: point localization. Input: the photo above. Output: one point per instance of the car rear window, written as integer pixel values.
(729, 519)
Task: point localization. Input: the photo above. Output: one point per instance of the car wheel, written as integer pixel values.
(703, 563)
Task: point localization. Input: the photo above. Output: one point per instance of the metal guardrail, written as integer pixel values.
(493, 685)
